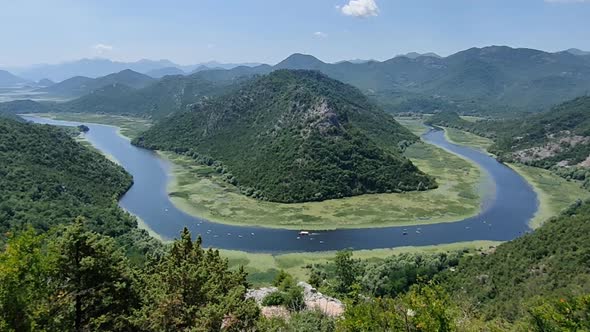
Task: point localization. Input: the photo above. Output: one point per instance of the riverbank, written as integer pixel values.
(200, 191)
(128, 127)
(262, 268)
(554, 192)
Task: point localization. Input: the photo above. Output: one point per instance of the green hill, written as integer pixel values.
(79, 85)
(558, 137)
(295, 136)
(477, 80)
(552, 262)
(48, 179)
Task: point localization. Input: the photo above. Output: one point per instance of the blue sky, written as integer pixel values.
(192, 31)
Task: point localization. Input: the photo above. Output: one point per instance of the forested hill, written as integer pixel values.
(162, 98)
(48, 179)
(80, 85)
(295, 136)
(560, 136)
(551, 262)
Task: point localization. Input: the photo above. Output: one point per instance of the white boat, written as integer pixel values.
(303, 233)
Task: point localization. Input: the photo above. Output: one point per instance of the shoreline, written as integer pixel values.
(550, 203)
(193, 209)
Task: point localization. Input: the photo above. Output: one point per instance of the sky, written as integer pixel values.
(267, 31)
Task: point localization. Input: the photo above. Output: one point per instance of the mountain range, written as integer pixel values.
(80, 85)
(494, 79)
(98, 67)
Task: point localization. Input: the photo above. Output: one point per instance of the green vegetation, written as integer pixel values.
(81, 281)
(201, 191)
(558, 137)
(551, 262)
(80, 85)
(263, 268)
(130, 127)
(47, 179)
(466, 138)
(554, 192)
(556, 189)
(295, 136)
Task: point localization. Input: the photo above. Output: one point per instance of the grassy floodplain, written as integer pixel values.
(554, 192)
(128, 126)
(200, 191)
(262, 268)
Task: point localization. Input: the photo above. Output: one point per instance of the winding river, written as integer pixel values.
(505, 214)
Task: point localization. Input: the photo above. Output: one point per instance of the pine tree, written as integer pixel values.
(94, 290)
(192, 289)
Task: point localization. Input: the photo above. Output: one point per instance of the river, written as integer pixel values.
(505, 214)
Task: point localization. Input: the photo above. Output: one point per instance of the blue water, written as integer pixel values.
(509, 205)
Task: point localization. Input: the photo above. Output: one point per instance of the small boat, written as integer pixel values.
(405, 233)
(304, 233)
(239, 236)
(252, 234)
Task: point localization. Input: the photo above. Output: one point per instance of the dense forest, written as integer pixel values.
(47, 179)
(538, 282)
(294, 136)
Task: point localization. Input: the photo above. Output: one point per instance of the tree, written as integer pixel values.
(347, 271)
(191, 289)
(94, 290)
(24, 277)
(424, 308)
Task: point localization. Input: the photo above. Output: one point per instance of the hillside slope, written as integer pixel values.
(558, 137)
(295, 136)
(48, 179)
(551, 262)
(478, 80)
(80, 85)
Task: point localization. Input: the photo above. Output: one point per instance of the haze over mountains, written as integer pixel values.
(101, 67)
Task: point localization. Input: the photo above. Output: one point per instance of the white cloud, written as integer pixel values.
(360, 8)
(320, 34)
(102, 48)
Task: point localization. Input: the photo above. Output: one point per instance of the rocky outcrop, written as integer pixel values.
(316, 300)
(313, 299)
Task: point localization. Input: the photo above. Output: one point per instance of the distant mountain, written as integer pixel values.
(166, 96)
(489, 79)
(220, 65)
(161, 72)
(576, 51)
(356, 61)
(98, 67)
(414, 55)
(8, 79)
(301, 61)
(45, 82)
(79, 85)
(294, 136)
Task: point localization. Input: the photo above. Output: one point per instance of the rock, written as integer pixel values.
(312, 298)
(259, 294)
(275, 311)
(316, 300)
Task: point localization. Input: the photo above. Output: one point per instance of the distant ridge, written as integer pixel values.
(80, 85)
(8, 79)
